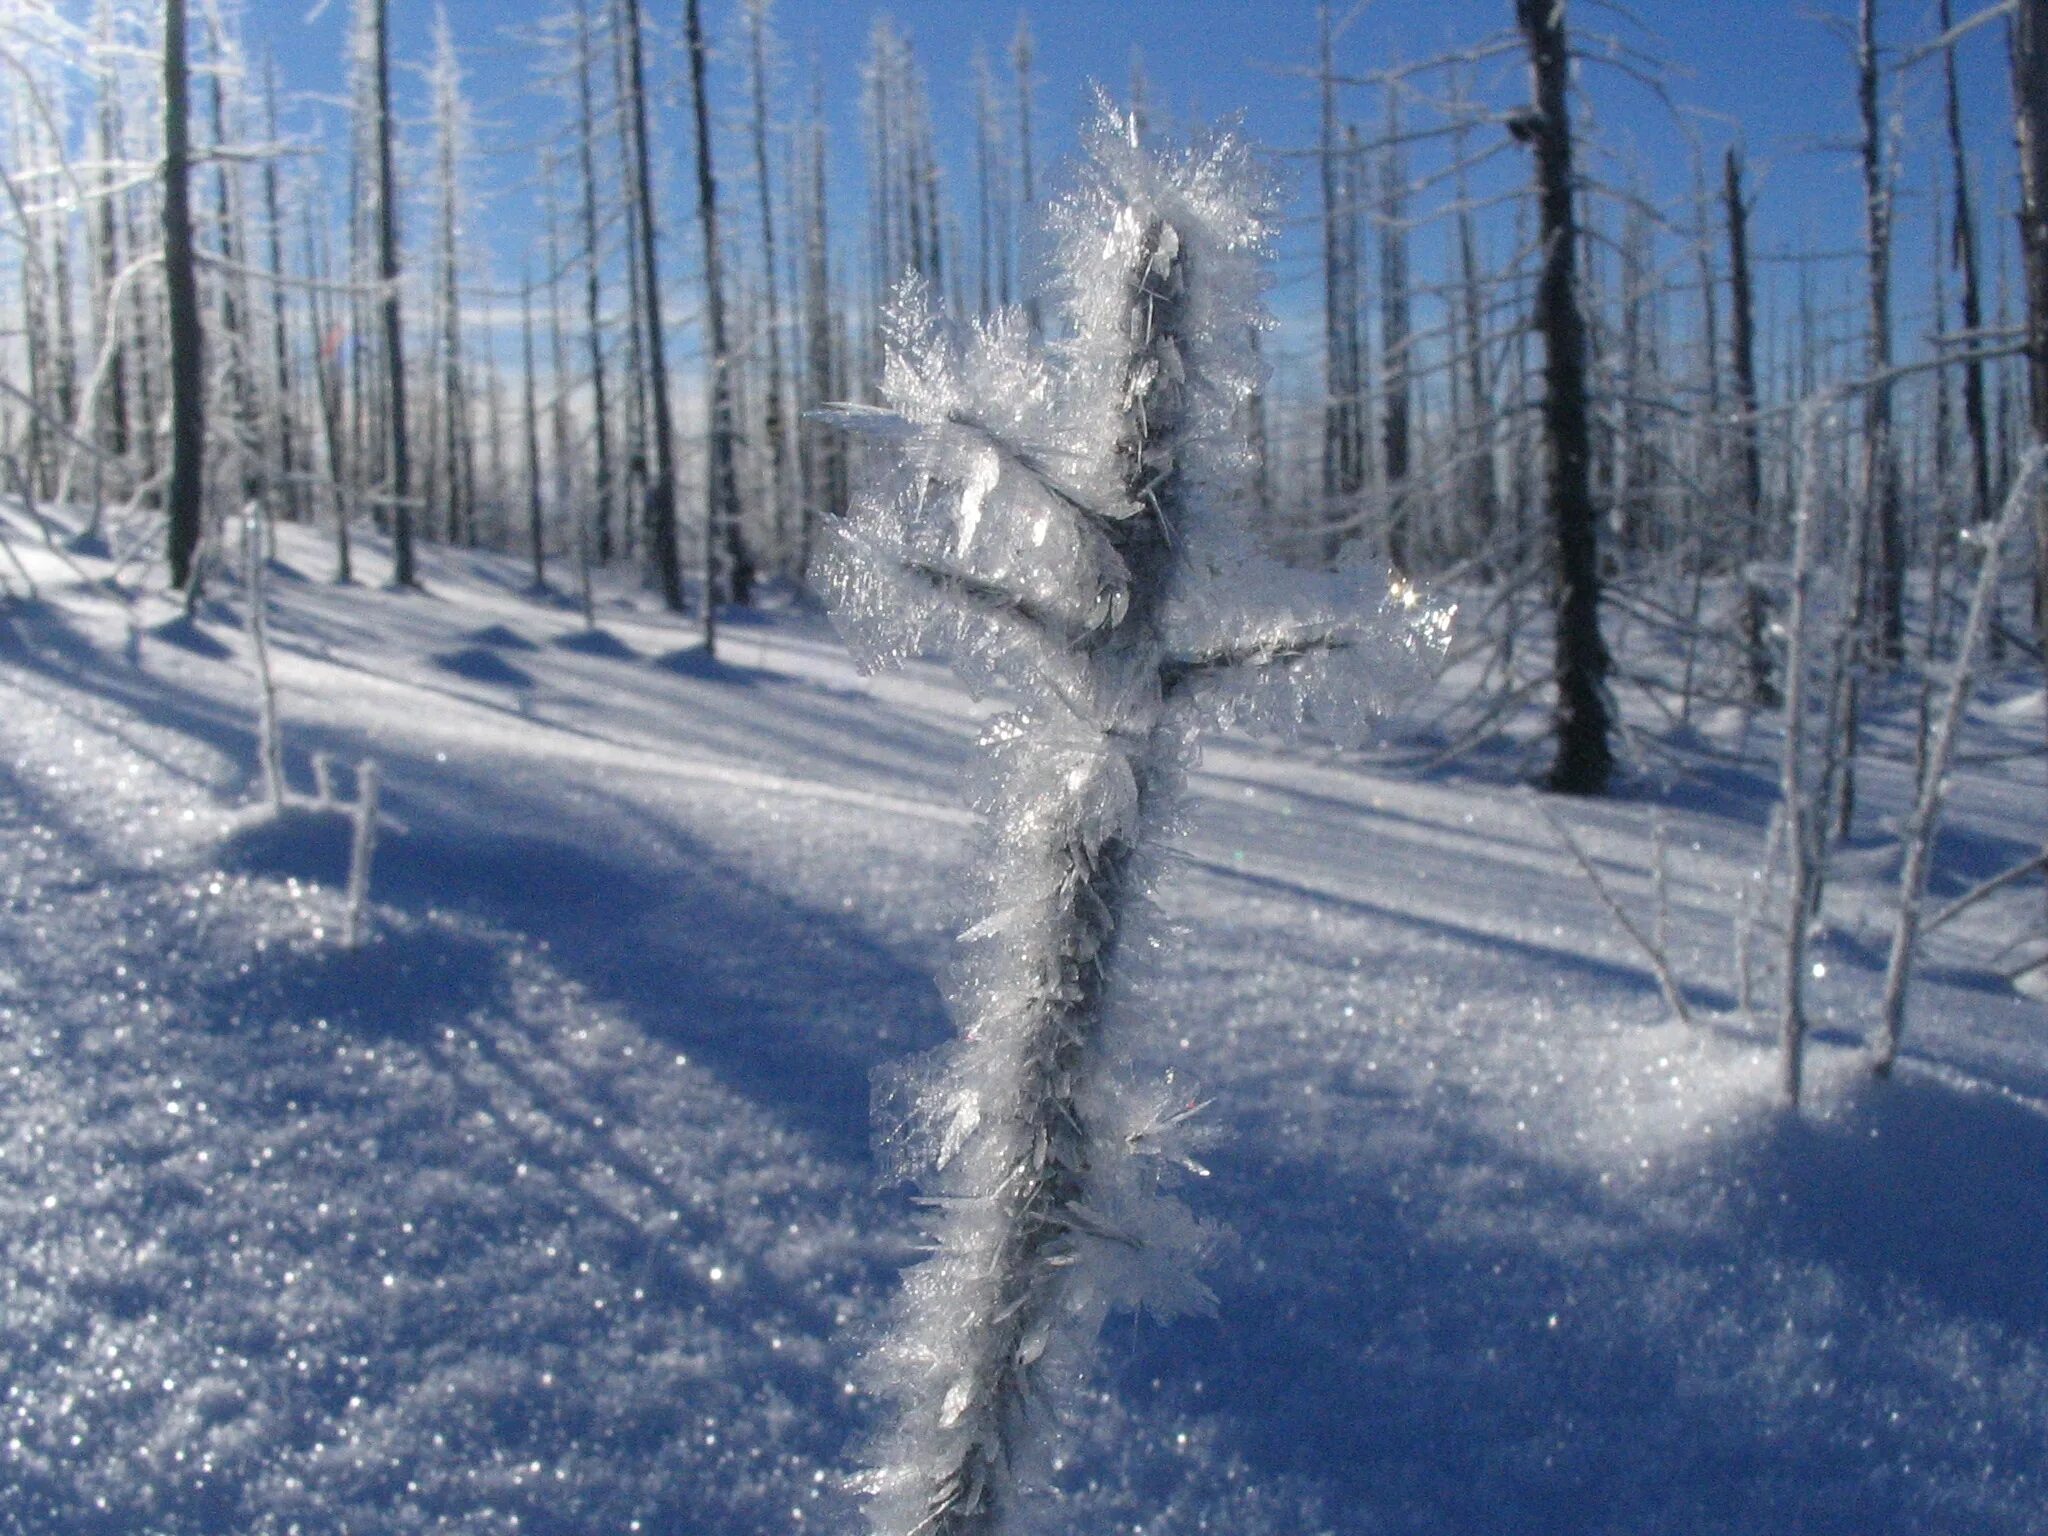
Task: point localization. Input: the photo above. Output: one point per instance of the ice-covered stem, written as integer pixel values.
(1016, 1255)
(1918, 837)
(356, 924)
(1655, 948)
(1064, 518)
(269, 745)
(1802, 835)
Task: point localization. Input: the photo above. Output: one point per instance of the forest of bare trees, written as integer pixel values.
(1663, 472)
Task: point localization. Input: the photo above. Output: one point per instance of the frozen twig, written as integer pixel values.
(1918, 836)
(1660, 964)
(362, 848)
(269, 745)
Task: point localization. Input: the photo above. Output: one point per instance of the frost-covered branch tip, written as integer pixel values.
(1063, 522)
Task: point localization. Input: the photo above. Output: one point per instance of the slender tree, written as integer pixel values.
(535, 529)
(1584, 754)
(2029, 53)
(403, 568)
(1880, 463)
(1023, 55)
(728, 572)
(773, 421)
(661, 490)
(284, 419)
(1964, 249)
(1397, 363)
(182, 501)
(593, 308)
(1748, 428)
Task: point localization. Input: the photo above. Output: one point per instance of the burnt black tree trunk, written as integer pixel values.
(1585, 756)
(728, 573)
(1756, 651)
(772, 422)
(661, 490)
(403, 573)
(593, 313)
(181, 287)
(2030, 103)
(1881, 477)
(1975, 421)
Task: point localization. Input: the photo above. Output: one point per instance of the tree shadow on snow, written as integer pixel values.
(481, 664)
(789, 1005)
(1465, 1337)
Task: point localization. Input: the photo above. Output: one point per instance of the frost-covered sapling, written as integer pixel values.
(1917, 838)
(362, 848)
(1064, 519)
(269, 746)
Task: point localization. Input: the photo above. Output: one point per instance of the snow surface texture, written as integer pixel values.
(1067, 520)
(1511, 1251)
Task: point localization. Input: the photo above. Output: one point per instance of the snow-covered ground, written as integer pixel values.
(552, 1207)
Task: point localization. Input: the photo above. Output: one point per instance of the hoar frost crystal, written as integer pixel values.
(1065, 519)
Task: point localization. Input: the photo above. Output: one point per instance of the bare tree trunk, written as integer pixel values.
(327, 384)
(115, 435)
(593, 316)
(2029, 46)
(182, 501)
(1755, 644)
(403, 572)
(1965, 253)
(235, 351)
(1584, 758)
(1341, 481)
(284, 424)
(985, 174)
(458, 444)
(728, 572)
(558, 412)
(773, 422)
(1396, 359)
(535, 530)
(636, 386)
(1880, 471)
(1482, 495)
(1022, 56)
(826, 484)
(661, 490)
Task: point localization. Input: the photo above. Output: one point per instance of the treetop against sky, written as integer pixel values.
(1774, 76)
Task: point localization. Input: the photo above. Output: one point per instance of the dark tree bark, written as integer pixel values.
(593, 315)
(1964, 251)
(2030, 100)
(1396, 358)
(182, 502)
(773, 421)
(403, 572)
(1880, 473)
(1584, 758)
(1756, 650)
(728, 572)
(826, 462)
(661, 490)
(1343, 429)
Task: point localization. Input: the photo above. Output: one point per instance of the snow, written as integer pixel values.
(552, 1207)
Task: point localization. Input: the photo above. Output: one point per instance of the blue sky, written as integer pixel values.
(1775, 75)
